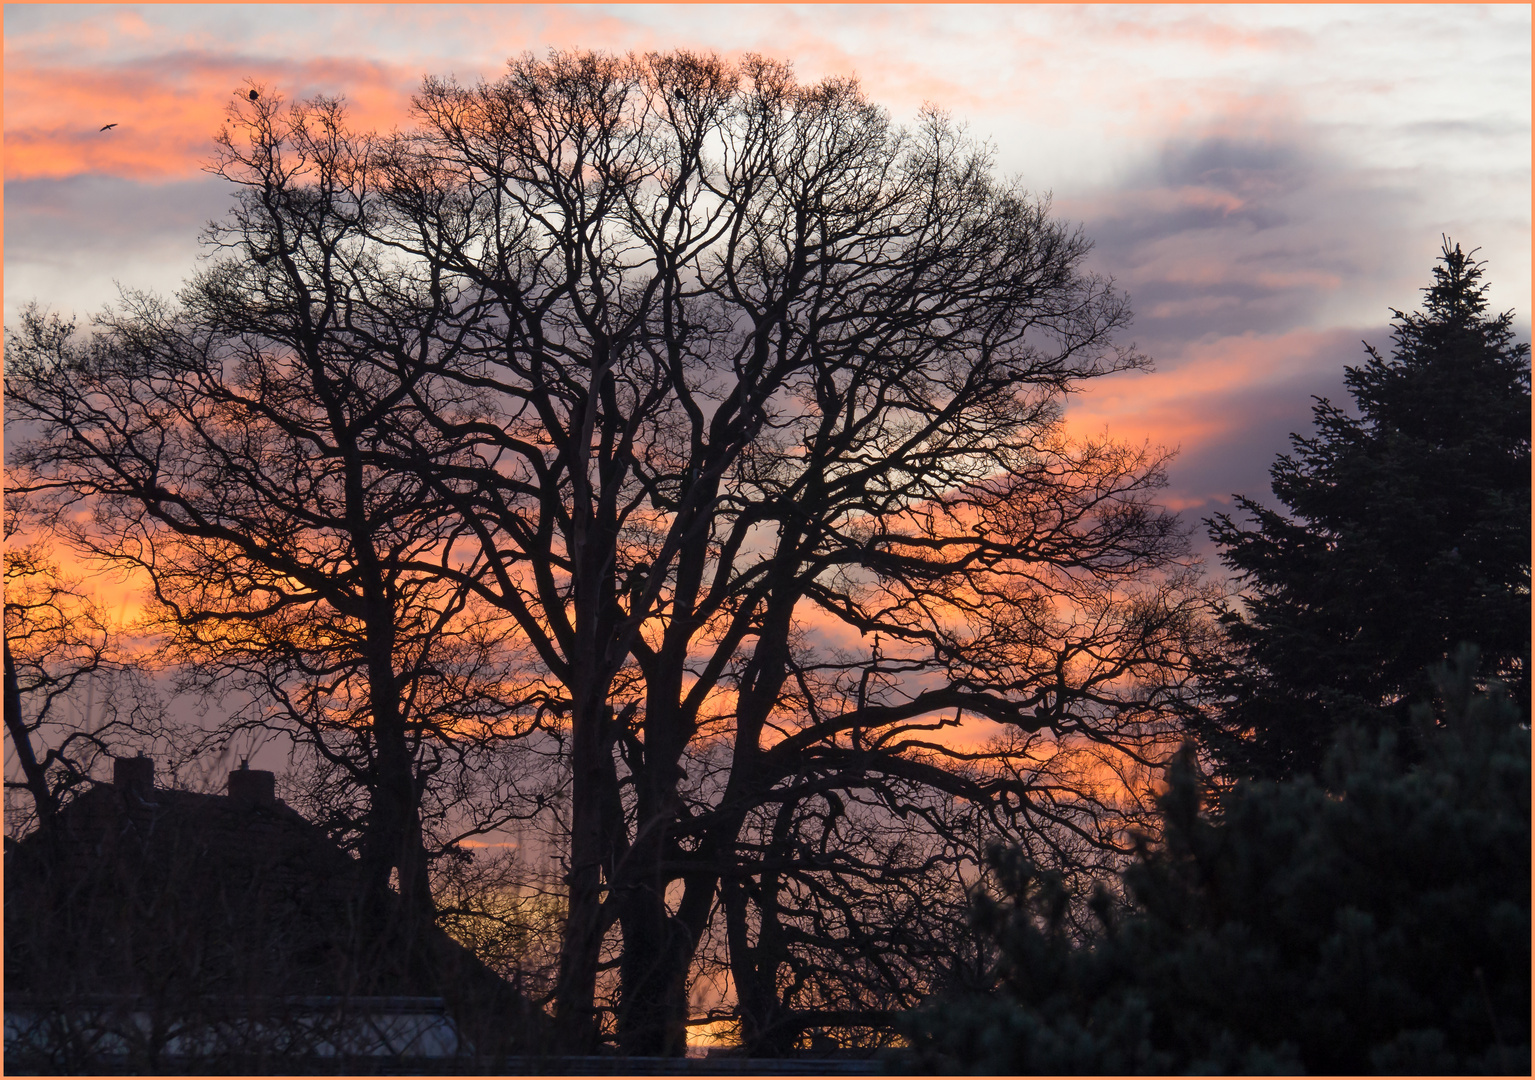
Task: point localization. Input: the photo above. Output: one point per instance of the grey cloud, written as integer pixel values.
(1205, 479)
(1500, 128)
(1242, 166)
(85, 211)
(67, 241)
(1221, 235)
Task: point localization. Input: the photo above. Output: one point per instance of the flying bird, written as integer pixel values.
(107, 127)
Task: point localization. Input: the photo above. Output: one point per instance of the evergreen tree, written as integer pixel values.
(1408, 532)
(1376, 919)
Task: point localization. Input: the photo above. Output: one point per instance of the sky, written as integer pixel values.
(1265, 182)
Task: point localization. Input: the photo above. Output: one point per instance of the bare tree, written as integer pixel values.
(71, 697)
(224, 447)
(742, 406)
(737, 354)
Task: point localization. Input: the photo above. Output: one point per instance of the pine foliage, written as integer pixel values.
(1373, 920)
(1407, 532)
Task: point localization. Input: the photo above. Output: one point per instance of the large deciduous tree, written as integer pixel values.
(1407, 532)
(743, 406)
(755, 374)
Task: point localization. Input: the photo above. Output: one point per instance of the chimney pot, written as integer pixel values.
(135, 774)
(252, 787)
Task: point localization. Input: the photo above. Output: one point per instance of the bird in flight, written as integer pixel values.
(107, 127)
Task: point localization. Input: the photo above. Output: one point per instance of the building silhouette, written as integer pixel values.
(151, 926)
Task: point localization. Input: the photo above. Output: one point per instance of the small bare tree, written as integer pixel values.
(226, 457)
(72, 695)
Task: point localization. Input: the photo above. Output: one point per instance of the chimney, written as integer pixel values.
(135, 774)
(252, 787)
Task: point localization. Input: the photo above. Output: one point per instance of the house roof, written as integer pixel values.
(183, 898)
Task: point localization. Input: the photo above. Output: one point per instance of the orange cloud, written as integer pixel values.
(167, 112)
(1189, 405)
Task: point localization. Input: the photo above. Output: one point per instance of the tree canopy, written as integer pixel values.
(734, 410)
(70, 698)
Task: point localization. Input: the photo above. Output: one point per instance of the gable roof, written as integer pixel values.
(191, 902)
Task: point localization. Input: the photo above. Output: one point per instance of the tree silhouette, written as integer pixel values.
(1408, 532)
(239, 482)
(1371, 920)
(59, 649)
(736, 408)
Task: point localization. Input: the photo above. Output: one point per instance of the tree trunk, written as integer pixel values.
(576, 987)
(658, 947)
(653, 975)
(396, 844)
(21, 742)
(765, 1029)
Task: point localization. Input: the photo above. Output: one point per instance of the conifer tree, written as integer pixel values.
(1384, 931)
(1407, 532)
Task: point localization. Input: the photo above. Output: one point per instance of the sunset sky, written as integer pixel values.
(1265, 182)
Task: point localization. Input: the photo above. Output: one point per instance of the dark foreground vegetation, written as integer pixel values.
(635, 500)
(1373, 919)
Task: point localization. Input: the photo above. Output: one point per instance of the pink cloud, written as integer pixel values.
(1153, 26)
